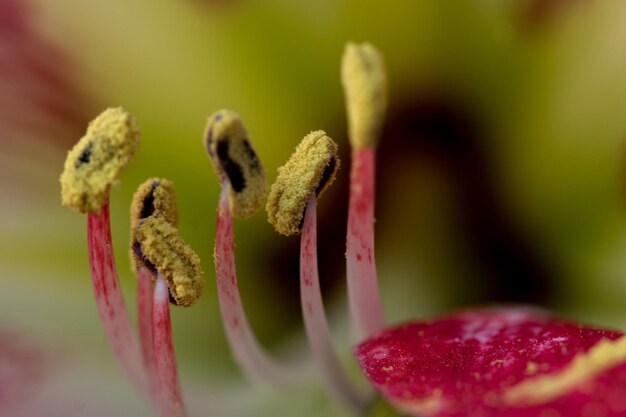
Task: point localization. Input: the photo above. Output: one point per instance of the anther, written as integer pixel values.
(98, 159)
(365, 85)
(311, 169)
(155, 197)
(165, 250)
(235, 161)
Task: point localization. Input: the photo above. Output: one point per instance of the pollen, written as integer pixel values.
(163, 250)
(97, 160)
(235, 161)
(311, 169)
(155, 197)
(365, 86)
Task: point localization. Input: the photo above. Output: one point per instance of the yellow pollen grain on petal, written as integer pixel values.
(95, 163)
(165, 250)
(311, 168)
(605, 355)
(424, 406)
(531, 368)
(235, 161)
(365, 86)
(154, 197)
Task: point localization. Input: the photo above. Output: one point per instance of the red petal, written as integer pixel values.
(23, 368)
(475, 364)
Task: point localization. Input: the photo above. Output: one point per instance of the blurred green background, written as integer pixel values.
(501, 169)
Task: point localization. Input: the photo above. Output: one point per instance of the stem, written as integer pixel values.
(113, 313)
(248, 353)
(170, 400)
(315, 320)
(145, 293)
(363, 295)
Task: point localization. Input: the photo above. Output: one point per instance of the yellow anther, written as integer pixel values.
(155, 197)
(365, 86)
(234, 160)
(310, 169)
(97, 160)
(162, 250)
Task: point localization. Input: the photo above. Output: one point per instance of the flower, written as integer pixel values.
(573, 230)
(489, 362)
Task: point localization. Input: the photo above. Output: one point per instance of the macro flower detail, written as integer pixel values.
(500, 361)
(159, 254)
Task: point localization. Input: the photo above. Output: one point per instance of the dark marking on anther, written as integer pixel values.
(327, 174)
(85, 155)
(253, 159)
(150, 266)
(209, 142)
(172, 299)
(144, 260)
(147, 208)
(231, 168)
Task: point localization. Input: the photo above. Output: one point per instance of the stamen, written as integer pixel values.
(91, 167)
(310, 169)
(243, 192)
(365, 86)
(168, 388)
(155, 197)
(158, 249)
(226, 141)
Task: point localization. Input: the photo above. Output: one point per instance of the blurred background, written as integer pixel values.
(501, 173)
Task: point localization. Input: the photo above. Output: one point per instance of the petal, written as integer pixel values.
(504, 362)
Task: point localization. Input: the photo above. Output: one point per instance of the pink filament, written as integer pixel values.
(247, 351)
(169, 397)
(145, 293)
(113, 314)
(365, 305)
(315, 320)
